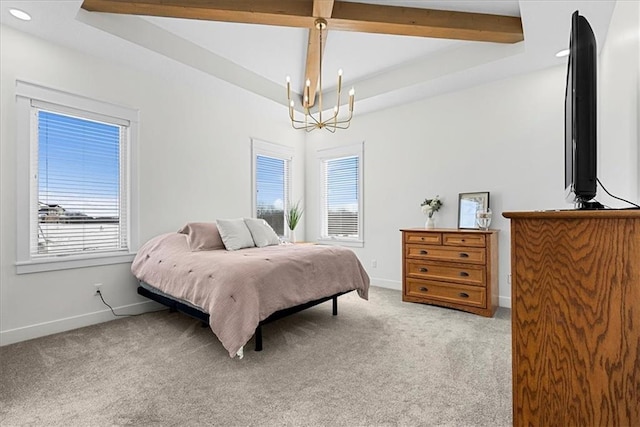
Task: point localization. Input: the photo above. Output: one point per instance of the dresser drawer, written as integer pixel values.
(450, 267)
(446, 253)
(459, 294)
(426, 238)
(464, 239)
(465, 274)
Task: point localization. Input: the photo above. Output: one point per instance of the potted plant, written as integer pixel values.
(293, 216)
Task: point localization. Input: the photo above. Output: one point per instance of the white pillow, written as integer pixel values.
(262, 233)
(235, 234)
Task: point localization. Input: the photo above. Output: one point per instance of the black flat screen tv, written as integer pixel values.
(580, 116)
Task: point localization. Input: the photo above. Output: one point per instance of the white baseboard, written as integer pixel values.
(504, 302)
(384, 283)
(24, 333)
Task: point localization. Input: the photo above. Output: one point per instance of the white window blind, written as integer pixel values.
(341, 194)
(271, 183)
(271, 191)
(79, 190)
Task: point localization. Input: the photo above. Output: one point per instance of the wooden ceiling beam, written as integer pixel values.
(285, 13)
(321, 9)
(340, 15)
(346, 16)
(404, 21)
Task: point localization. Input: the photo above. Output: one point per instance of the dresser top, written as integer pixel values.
(449, 230)
(573, 213)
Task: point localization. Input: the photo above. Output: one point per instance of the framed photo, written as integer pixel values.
(468, 204)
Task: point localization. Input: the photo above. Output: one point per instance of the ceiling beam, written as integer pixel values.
(405, 21)
(321, 9)
(340, 15)
(346, 16)
(312, 70)
(286, 13)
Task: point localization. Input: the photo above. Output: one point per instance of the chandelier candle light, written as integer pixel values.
(311, 122)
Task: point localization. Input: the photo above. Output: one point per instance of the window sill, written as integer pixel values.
(68, 262)
(341, 242)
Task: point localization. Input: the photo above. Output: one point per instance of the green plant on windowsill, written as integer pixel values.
(293, 215)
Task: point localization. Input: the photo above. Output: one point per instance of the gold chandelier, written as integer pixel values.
(315, 121)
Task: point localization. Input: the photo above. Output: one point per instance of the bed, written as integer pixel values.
(237, 291)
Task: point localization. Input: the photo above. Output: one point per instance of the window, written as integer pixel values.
(78, 189)
(341, 195)
(78, 208)
(271, 183)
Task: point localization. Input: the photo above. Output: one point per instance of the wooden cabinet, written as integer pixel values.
(451, 268)
(575, 298)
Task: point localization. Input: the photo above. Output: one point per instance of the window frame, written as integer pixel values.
(352, 150)
(28, 94)
(276, 151)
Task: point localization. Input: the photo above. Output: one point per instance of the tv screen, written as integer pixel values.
(580, 115)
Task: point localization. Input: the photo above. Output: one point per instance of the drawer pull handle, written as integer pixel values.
(463, 295)
(462, 240)
(423, 252)
(464, 274)
(464, 255)
(423, 289)
(422, 238)
(423, 270)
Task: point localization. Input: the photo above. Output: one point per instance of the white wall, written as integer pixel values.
(506, 137)
(618, 107)
(195, 164)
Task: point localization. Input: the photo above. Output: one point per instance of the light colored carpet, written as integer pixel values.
(381, 362)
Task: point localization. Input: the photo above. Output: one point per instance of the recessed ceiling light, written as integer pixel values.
(563, 53)
(20, 14)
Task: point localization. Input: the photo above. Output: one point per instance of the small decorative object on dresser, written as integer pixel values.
(468, 206)
(451, 268)
(429, 208)
(483, 218)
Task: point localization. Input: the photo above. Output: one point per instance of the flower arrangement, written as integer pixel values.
(430, 206)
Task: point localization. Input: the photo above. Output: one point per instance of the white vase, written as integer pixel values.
(292, 238)
(431, 223)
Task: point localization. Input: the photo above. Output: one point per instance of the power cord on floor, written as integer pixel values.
(124, 315)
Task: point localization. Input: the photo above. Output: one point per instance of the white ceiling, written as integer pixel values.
(386, 70)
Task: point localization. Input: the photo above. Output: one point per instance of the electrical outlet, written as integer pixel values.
(98, 287)
(509, 279)
(374, 263)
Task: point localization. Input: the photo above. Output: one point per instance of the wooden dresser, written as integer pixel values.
(451, 268)
(575, 297)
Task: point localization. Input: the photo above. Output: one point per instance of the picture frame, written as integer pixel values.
(468, 204)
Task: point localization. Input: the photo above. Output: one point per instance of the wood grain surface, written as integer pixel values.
(576, 319)
(451, 268)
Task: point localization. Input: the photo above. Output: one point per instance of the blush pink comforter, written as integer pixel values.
(240, 288)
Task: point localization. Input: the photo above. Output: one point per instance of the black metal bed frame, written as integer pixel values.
(175, 305)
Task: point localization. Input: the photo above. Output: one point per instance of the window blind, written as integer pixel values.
(80, 185)
(341, 196)
(272, 190)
